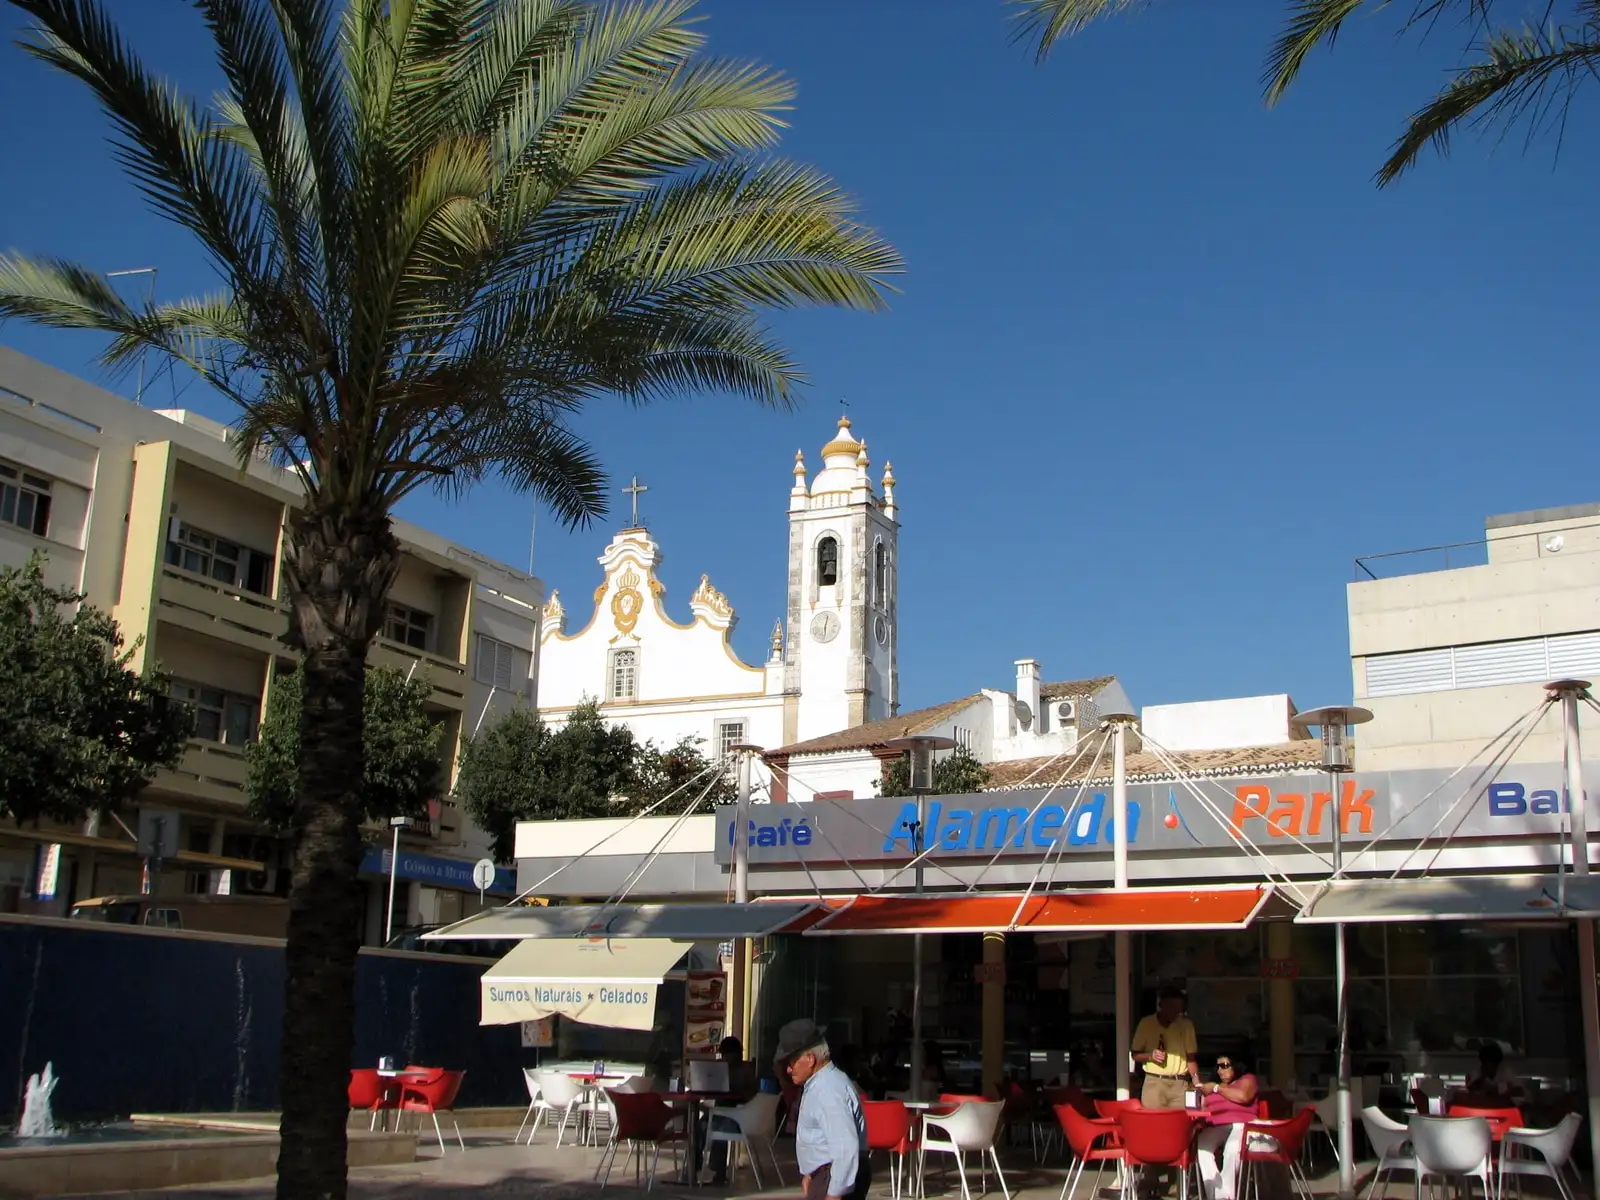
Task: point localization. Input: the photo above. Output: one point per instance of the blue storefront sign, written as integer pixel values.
(439, 872)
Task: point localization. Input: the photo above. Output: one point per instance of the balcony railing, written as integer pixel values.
(1454, 555)
(212, 769)
(205, 605)
(449, 678)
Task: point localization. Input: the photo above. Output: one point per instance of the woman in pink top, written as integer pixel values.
(1229, 1104)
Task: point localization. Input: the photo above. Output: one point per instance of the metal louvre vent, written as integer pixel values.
(1488, 664)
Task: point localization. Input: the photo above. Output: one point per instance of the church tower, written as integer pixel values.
(840, 666)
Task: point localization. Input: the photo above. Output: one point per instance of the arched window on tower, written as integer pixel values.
(827, 562)
(880, 575)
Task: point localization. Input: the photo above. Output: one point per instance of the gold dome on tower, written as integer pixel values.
(844, 445)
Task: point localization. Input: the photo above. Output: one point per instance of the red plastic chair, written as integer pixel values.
(372, 1093)
(1287, 1137)
(1110, 1109)
(1159, 1137)
(1071, 1094)
(889, 1128)
(1500, 1118)
(434, 1095)
(1091, 1141)
(644, 1119)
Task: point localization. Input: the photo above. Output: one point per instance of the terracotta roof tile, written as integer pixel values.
(1145, 767)
(876, 733)
(1074, 687)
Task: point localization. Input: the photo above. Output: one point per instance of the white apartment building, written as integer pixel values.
(1449, 645)
(148, 513)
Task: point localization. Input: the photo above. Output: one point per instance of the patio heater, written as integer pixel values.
(1335, 722)
(920, 750)
(1570, 692)
(396, 824)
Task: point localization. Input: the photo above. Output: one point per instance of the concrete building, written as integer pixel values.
(148, 513)
(836, 667)
(1448, 645)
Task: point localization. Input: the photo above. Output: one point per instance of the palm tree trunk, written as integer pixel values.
(340, 566)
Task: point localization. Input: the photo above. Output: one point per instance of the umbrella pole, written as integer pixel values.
(1572, 761)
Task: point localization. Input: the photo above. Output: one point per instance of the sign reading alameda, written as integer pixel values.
(1277, 811)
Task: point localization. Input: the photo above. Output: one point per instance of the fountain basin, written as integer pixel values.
(165, 1152)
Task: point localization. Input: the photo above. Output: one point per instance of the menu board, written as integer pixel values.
(705, 1014)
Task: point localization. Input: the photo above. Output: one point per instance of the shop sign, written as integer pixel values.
(49, 871)
(1279, 811)
(440, 872)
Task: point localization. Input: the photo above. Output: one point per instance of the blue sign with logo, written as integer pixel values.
(452, 873)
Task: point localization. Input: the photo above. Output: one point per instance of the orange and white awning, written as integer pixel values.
(1133, 910)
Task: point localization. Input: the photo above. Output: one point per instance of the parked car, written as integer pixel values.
(411, 939)
(254, 916)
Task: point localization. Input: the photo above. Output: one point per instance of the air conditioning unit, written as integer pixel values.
(1067, 710)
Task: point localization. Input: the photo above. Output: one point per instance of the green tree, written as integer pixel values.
(659, 772)
(79, 728)
(519, 769)
(403, 769)
(1522, 73)
(440, 228)
(956, 774)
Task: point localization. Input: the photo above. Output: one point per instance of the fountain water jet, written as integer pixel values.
(36, 1119)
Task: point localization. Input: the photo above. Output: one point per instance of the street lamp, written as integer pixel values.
(920, 750)
(396, 824)
(1336, 722)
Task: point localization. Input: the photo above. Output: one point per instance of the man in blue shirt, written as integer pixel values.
(830, 1140)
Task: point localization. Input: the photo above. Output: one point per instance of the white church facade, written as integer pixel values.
(831, 662)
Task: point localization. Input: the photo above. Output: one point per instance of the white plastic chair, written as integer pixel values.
(1553, 1148)
(757, 1121)
(561, 1092)
(975, 1125)
(1391, 1142)
(1451, 1147)
(1326, 1121)
(530, 1076)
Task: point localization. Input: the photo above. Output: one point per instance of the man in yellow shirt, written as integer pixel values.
(1164, 1045)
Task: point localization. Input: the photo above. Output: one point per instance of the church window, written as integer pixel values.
(624, 682)
(729, 735)
(880, 575)
(827, 561)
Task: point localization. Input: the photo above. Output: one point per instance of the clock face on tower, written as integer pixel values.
(824, 627)
(880, 630)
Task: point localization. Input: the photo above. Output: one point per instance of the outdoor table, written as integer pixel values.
(691, 1102)
(586, 1126)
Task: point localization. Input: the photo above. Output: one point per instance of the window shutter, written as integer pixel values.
(1406, 674)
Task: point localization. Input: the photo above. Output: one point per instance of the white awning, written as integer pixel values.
(608, 982)
(1456, 898)
(674, 922)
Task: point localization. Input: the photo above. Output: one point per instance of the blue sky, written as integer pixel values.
(1164, 363)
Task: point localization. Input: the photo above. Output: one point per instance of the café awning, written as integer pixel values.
(1136, 909)
(671, 922)
(609, 982)
(1463, 898)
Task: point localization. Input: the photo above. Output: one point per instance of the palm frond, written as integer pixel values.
(1311, 22)
(1529, 76)
(1046, 22)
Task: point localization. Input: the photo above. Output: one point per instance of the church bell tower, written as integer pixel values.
(840, 668)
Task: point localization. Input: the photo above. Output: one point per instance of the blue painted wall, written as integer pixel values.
(149, 1021)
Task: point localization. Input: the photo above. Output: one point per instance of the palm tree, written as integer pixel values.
(441, 227)
(1524, 73)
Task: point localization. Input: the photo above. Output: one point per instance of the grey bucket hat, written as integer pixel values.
(795, 1038)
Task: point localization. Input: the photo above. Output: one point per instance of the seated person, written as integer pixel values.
(1493, 1078)
(1229, 1103)
(740, 1073)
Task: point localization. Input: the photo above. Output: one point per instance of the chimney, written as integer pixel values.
(1028, 689)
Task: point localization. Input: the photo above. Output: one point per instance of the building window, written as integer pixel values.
(624, 681)
(1486, 664)
(827, 561)
(408, 626)
(880, 575)
(219, 716)
(502, 665)
(217, 558)
(729, 735)
(24, 499)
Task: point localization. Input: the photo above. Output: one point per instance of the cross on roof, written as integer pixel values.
(635, 490)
